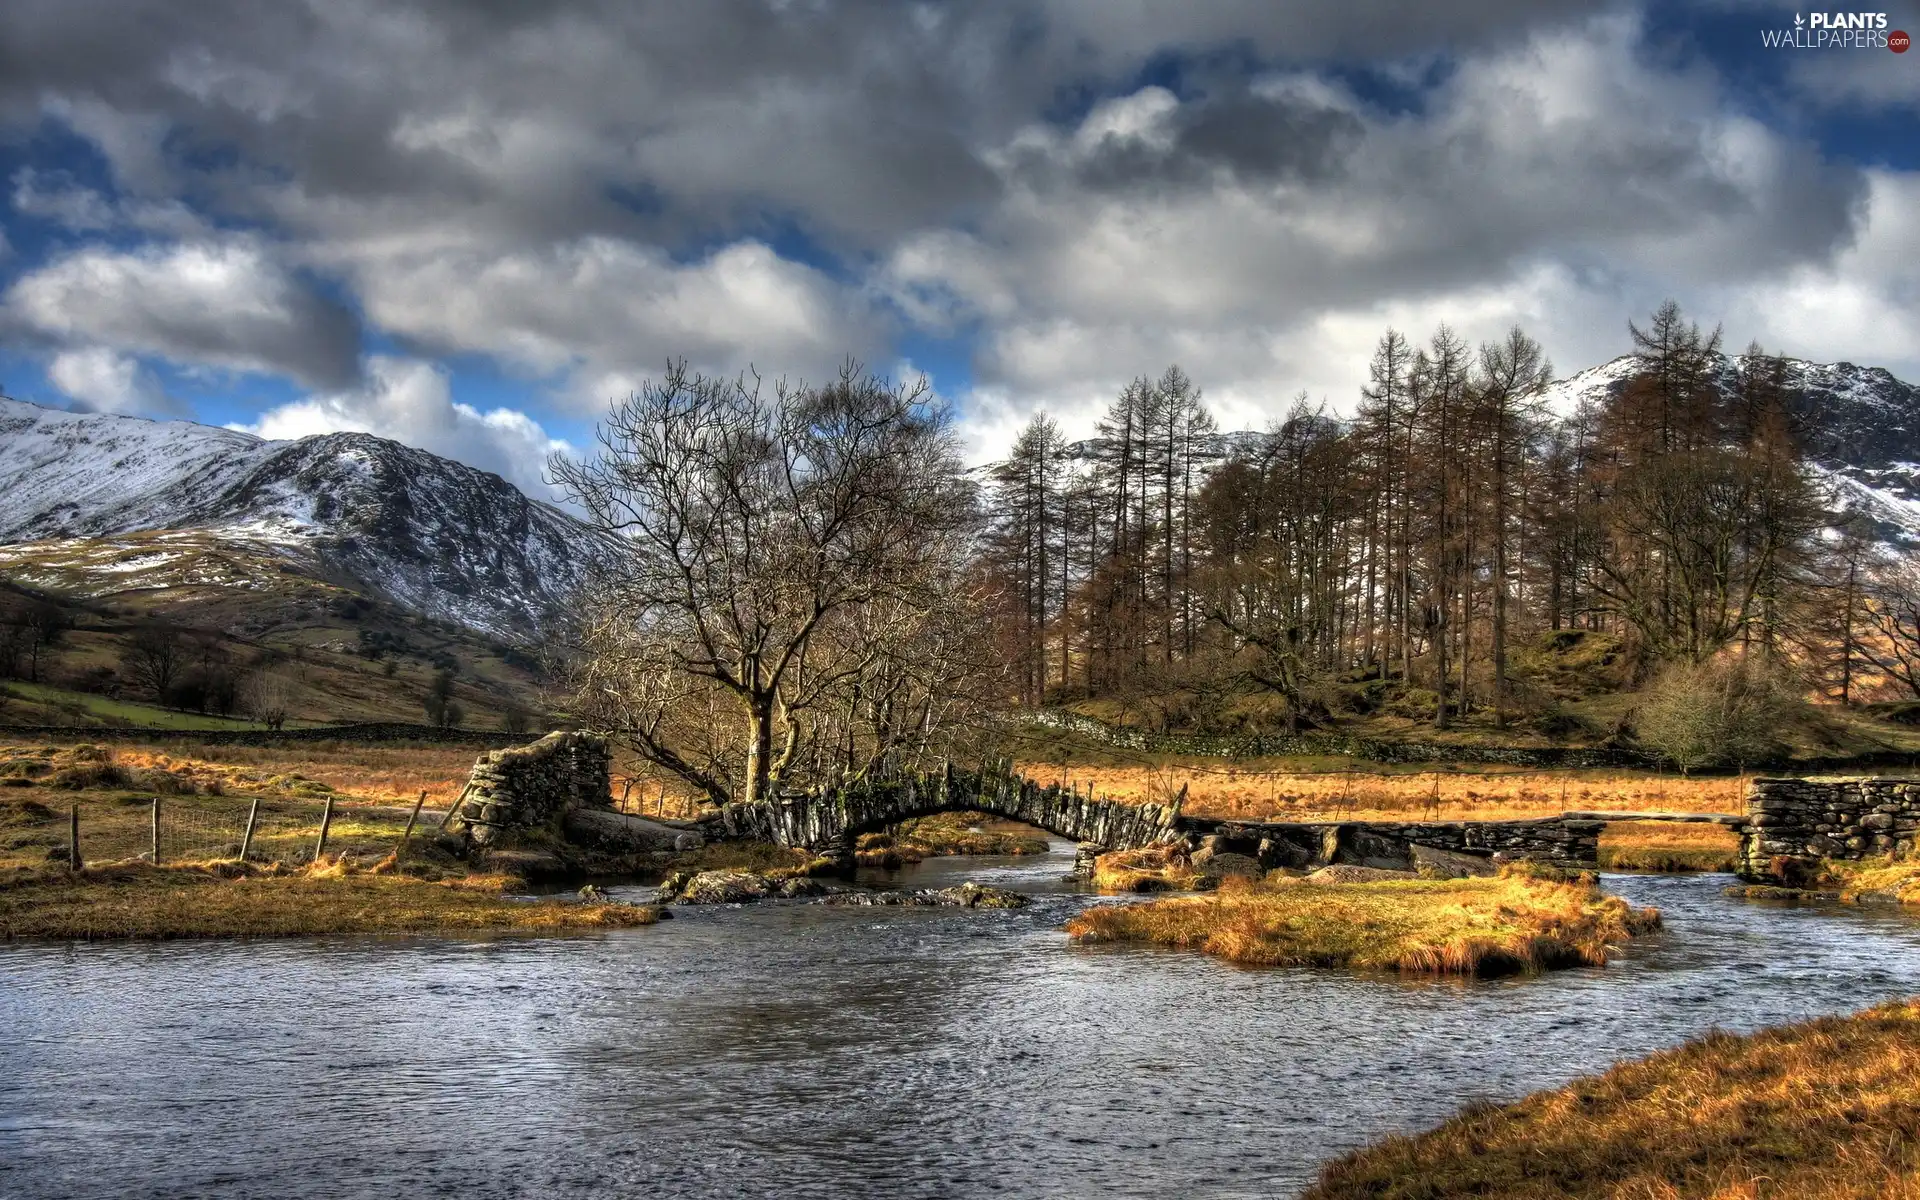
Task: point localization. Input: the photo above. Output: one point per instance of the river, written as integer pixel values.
(801, 1051)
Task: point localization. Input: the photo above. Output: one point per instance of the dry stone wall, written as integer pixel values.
(1794, 823)
(1257, 745)
(531, 788)
(1568, 842)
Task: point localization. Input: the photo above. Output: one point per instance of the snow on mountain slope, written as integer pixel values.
(1861, 425)
(436, 536)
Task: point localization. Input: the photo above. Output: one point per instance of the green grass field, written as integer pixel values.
(40, 703)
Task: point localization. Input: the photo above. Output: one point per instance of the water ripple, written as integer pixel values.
(801, 1051)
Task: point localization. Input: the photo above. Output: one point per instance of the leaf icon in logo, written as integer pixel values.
(1798, 20)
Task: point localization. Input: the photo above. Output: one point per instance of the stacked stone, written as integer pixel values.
(829, 823)
(532, 787)
(1812, 819)
(1566, 842)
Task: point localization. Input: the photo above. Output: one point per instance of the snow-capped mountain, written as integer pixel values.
(432, 535)
(1860, 425)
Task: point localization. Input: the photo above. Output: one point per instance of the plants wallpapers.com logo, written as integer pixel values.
(1837, 31)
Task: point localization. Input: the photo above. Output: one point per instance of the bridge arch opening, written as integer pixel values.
(948, 833)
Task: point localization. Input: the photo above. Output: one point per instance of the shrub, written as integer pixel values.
(1414, 703)
(1722, 713)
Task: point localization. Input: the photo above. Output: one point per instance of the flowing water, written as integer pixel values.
(802, 1051)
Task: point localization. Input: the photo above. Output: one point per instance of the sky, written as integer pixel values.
(470, 224)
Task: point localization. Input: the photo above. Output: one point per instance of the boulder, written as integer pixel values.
(534, 866)
(1224, 863)
(967, 895)
(1431, 863)
(723, 887)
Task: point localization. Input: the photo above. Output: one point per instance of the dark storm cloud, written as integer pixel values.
(580, 189)
(860, 119)
(1249, 138)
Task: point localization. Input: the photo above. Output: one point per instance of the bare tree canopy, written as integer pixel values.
(793, 598)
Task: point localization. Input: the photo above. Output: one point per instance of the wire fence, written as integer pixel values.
(190, 829)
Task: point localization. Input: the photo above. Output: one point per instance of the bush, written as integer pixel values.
(1723, 713)
(1414, 703)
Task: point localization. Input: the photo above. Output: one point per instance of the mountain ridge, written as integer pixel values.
(432, 534)
(1862, 427)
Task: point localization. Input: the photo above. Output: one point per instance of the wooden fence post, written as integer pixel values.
(156, 831)
(73, 839)
(326, 823)
(411, 818)
(253, 819)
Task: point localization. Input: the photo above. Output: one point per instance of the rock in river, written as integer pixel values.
(967, 895)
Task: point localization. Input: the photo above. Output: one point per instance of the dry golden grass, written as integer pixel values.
(210, 900)
(117, 825)
(1665, 846)
(383, 774)
(1877, 877)
(1520, 921)
(386, 774)
(1826, 1110)
(1251, 792)
(1152, 869)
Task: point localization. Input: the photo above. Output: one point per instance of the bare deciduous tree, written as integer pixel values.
(1890, 608)
(154, 658)
(266, 696)
(789, 590)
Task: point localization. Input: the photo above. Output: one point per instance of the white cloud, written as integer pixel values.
(579, 193)
(1864, 306)
(105, 381)
(409, 401)
(55, 197)
(1564, 183)
(228, 304)
(604, 309)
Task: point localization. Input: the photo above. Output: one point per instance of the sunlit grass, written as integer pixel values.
(1880, 876)
(1826, 1110)
(1255, 791)
(1153, 869)
(1520, 921)
(212, 900)
(1667, 846)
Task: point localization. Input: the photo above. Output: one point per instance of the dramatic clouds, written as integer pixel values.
(409, 401)
(105, 381)
(365, 199)
(224, 304)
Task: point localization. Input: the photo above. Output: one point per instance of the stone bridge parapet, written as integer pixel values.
(830, 822)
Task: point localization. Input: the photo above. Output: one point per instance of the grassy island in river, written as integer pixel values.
(1520, 921)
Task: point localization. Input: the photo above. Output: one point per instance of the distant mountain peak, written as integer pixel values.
(436, 536)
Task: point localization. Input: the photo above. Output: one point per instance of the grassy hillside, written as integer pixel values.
(333, 654)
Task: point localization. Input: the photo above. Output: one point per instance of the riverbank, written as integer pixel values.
(1824, 1110)
(226, 900)
(1519, 921)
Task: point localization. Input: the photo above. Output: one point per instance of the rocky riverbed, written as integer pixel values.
(746, 887)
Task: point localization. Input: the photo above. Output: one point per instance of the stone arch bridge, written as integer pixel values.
(555, 794)
(830, 823)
